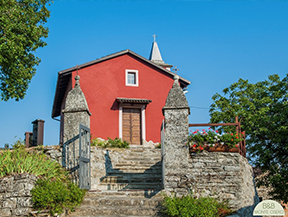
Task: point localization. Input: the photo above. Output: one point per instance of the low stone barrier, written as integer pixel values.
(53, 152)
(223, 175)
(15, 196)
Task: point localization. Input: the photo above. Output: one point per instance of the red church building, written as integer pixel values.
(125, 93)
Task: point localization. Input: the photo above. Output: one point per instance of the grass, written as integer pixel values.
(189, 206)
(38, 164)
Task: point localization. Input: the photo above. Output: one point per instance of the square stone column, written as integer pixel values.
(175, 154)
(76, 112)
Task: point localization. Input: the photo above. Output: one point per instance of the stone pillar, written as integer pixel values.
(175, 153)
(76, 112)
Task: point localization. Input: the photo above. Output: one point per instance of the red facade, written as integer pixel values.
(121, 108)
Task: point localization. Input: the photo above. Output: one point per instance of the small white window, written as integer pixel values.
(131, 77)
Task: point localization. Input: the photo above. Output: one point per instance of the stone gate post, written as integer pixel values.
(175, 153)
(76, 112)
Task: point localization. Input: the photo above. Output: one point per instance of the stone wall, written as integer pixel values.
(226, 176)
(53, 152)
(101, 163)
(15, 196)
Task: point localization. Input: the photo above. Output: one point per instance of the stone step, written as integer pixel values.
(141, 159)
(138, 163)
(143, 164)
(144, 155)
(141, 148)
(119, 215)
(126, 186)
(136, 170)
(130, 171)
(125, 194)
(134, 173)
(131, 179)
(116, 211)
(131, 188)
(145, 151)
(114, 201)
(120, 203)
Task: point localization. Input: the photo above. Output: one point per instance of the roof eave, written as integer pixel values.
(59, 94)
(119, 54)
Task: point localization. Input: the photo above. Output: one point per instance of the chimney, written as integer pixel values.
(28, 139)
(38, 132)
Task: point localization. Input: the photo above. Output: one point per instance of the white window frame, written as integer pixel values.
(136, 77)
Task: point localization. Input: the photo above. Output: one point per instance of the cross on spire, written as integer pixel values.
(175, 70)
(154, 36)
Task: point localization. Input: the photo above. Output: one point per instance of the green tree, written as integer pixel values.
(262, 109)
(21, 33)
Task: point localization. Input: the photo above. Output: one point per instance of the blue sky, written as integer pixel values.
(213, 43)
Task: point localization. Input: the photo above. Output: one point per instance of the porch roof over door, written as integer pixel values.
(133, 100)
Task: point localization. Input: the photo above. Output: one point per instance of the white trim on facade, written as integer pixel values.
(143, 126)
(127, 71)
(143, 121)
(120, 122)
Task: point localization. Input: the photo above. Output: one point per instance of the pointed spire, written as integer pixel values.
(155, 55)
(76, 100)
(176, 98)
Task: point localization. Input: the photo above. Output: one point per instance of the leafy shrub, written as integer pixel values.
(56, 195)
(117, 143)
(158, 145)
(98, 142)
(189, 206)
(110, 143)
(20, 161)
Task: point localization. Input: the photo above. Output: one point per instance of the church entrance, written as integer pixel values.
(132, 125)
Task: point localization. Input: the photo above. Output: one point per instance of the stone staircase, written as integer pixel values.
(131, 188)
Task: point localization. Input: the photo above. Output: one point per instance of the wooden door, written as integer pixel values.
(132, 125)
